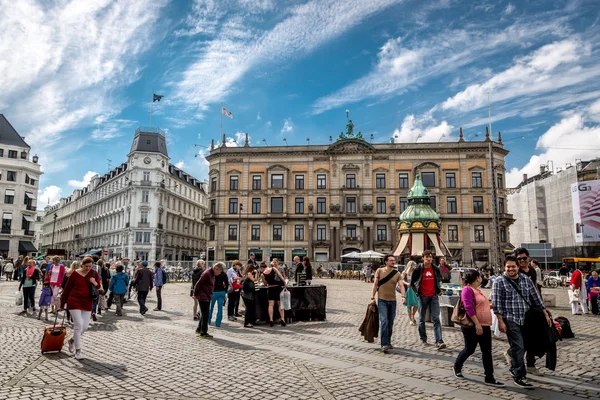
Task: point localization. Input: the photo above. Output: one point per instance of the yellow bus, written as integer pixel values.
(572, 262)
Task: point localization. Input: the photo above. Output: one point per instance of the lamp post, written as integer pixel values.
(582, 225)
(53, 229)
(240, 231)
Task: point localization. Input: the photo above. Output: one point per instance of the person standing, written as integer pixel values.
(218, 297)
(510, 307)
(593, 289)
(535, 264)
(233, 291)
(196, 273)
(578, 284)
(386, 281)
(412, 301)
(445, 270)
(308, 270)
(299, 268)
(160, 279)
(29, 279)
(118, 288)
(203, 292)
(249, 295)
(55, 275)
(76, 296)
(143, 284)
(8, 269)
(252, 261)
(477, 307)
(425, 282)
(18, 273)
(563, 272)
(275, 283)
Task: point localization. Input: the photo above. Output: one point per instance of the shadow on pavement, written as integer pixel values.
(99, 368)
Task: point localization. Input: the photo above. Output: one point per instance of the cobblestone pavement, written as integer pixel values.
(157, 356)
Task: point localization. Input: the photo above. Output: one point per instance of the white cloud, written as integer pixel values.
(269, 124)
(288, 126)
(83, 183)
(575, 136)
(424, 129)
(180, 164)
(258, 116)
(509, 9)
(108, 129)
(49, 195)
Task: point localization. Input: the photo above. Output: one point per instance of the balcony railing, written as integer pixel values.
(160, 226)
(30, 207)
(146, 183)
(151, 129)
(29, 233)
(5, 230)
(143, 225)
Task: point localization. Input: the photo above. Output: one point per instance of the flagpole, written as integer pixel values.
(151, 104)
(221, 123)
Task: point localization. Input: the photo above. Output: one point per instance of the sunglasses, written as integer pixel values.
(522, 258)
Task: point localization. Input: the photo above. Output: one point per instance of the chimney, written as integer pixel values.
(524, 177)
(542, 169)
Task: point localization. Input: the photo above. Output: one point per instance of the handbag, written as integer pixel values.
(459, 315)
(102, 302)
(94, 293)
(573, 295)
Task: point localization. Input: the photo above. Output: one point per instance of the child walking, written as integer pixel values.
(45, 300)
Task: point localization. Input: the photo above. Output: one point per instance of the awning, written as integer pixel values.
(401, 245)
(6, 216)
(418, 244)
(30, 195)
(434, 239)
(26, 247)
(4, 244)
(28, 218)
(9, 192)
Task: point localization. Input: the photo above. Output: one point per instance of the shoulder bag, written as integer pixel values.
(386, 279)
(459, 314)
(94, 293)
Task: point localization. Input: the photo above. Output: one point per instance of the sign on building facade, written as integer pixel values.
(586, 211)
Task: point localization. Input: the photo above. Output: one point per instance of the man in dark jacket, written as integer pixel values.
(143, 283)
(196, 273)
(203, 292)
(425, 282)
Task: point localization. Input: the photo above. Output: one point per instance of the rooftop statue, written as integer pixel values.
(349, 134)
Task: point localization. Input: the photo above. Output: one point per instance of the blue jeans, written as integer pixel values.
(516, 351)
(219, 298)
(387, 313)
(433, 303)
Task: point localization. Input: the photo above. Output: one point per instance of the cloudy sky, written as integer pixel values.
(77, 77)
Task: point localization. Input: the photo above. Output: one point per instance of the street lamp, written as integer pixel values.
(53, 229)
(582, 240)
(285, 140)
(240, 231)
(418, 137)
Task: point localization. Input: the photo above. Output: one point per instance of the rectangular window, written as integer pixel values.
(256, 182)
(213, 206)
(139, 236)
(233, 206)
(350, 181)
(299, 205)
(502, 234)
(146, 176)
(277, 232)
(147, 237)
(403, 180)
(351, 232)
(211, 232)
(321, 181)
(299, 179)
(256, 206)
(12, 154)
(144, 217)
(1, 152)
(453, 233)
(145, 196)
(428, 179)
(6, 222)
(403, 203)
(321, 205)
(500, 181)
(478, 204)
(500, 206)
(277, 181)
(321, 232)
(381, 207)
(380, 181)
(351, 204)
(299, 232)
(213, 184)
(276, 204)
(233, 232)
(255, 232)
(479, 233)
(450, 179)
(381, 232)
(11, 176)
(9, 196)
(476, 180)
(451, 205)
(433, 203)
(234, 182)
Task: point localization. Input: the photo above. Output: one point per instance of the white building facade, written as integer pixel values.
(19, 181)
(145, 208)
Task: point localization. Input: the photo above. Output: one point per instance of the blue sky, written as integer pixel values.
(77, 77)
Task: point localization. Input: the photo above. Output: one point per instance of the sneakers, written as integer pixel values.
(493, 382)
(206, 336)
(144, 311)
(71, 346)
(94, 317)
(197, 332)
(507, 357)
(534, 371)
(457, 373)
(440, 345)
(424, 342)
(385, 349)
(79, 356)
(232, 318)
(522, 383)
(156, 309)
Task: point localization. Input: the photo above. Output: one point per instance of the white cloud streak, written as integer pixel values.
(288, 126)
(83, 183)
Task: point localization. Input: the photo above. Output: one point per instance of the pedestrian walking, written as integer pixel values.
(477, 307)
(76, 296)
(234, 278)
(249, 295)
(218, 297)
(45, 300)
(9, 267)
(275, 283)
(539, 278)
(143, 284)
(118, 288)
(28, 283)
(445, 270)
(412, 301)
(18, 271)
(160, 279)
(196, 273)
(509, 304)
(385, 284)
(425, 282)
(55, 273)
(74, 265)
(203, 292)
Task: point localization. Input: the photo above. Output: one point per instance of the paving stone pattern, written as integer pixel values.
(157, 356)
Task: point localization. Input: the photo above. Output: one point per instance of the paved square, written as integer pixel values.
(157, 356)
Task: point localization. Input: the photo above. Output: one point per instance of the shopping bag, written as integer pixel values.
(573, 295)
(286, 299)
(102, 302)
(18, 298)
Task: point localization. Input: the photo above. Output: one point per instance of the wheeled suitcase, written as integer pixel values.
(54, 336)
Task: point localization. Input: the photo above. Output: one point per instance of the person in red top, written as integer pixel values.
(578, 283)
(76, 295)
(55, 274)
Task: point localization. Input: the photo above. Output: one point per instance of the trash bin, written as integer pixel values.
(446, 315)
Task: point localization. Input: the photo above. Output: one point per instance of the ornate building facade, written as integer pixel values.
(326, 200)
(145, 208)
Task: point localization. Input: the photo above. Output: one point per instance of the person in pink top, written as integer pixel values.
(54, 276)
(477, 308)
(578, 285)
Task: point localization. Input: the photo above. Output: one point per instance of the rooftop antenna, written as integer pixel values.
(108, 162)
(490, 112)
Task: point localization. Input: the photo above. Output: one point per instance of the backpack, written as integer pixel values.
(565, 328)
(165, 276)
